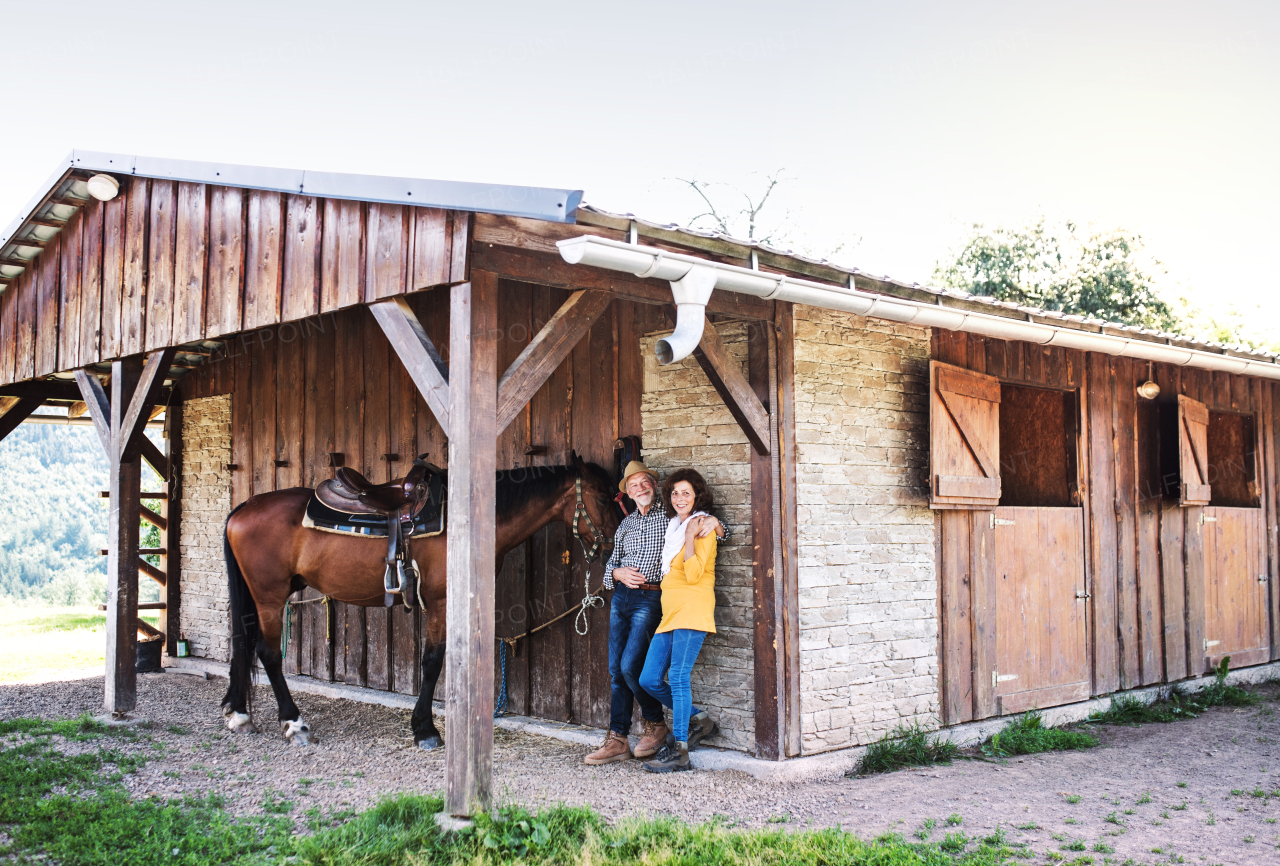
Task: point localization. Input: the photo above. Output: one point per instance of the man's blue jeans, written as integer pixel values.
(673, 653)
(633, 616)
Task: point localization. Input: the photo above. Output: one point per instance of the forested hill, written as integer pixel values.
(52, 521)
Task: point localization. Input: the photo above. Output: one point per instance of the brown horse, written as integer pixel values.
(271, 555)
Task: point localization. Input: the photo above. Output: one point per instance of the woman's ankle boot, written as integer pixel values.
(670, 759)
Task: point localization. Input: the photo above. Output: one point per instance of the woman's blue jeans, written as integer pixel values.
(673, 653)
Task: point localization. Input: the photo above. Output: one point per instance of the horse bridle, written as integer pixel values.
(580, 511)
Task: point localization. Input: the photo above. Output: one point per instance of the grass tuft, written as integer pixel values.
(1029, 736)
(1178, 705)
(907, 746)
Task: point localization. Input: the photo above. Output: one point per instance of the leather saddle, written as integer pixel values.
(399, 502)
(352, 493)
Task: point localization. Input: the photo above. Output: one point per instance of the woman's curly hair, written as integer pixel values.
(702, 498)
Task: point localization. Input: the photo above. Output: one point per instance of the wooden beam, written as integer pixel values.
(418, 354)
(548, 269)
(547, 350)
(171, 623)
(473, 397)
(147, 629)
(99, 407)
(125, 477)
(133, 422)
(157, 461)
(159, 521)
(18, 413)
(45, 389)
(785, 413)
(151, 571)
(765, 562)
(734, 389)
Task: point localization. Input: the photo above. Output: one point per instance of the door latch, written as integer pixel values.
(1209, 643)
(1262, 578)
(1080, 593)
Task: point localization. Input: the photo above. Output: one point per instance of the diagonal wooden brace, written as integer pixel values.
(418, 354)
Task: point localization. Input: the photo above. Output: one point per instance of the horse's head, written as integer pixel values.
(596, 515)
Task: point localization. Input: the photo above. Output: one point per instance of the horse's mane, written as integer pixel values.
(516, 487)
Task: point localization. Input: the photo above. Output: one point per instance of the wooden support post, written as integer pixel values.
(788, 542)
(120, 422)
(171, 508)
(765, 554)
(473, 392)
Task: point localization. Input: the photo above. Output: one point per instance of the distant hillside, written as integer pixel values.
(52, 521)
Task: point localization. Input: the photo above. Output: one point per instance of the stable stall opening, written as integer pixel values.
(1038, 447)
(1232, 468)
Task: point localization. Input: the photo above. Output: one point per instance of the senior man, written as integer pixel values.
(634, 573)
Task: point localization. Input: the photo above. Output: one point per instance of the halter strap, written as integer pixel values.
(580, 511)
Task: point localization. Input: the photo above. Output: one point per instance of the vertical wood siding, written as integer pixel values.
(168, 263)
(332, 384)
(1145, 556)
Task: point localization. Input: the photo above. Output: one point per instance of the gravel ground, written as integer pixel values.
(1165, 787)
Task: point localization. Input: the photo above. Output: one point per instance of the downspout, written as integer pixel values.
(646, 261)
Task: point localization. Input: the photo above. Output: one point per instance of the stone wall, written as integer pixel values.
(206, 501)
(685, 423)
(867, 577)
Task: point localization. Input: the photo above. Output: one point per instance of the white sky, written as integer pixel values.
(902, 123)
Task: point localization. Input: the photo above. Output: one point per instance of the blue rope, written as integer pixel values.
(500, 708)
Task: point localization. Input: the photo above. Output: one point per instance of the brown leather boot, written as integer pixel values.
(615, 748)
(655, 734)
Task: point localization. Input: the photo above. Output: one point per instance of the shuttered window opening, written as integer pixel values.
(1039, 442)
(964, 438)
(1232, 463)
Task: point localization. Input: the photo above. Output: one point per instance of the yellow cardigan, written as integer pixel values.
(689, 589)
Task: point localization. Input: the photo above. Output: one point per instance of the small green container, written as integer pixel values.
(184, 647)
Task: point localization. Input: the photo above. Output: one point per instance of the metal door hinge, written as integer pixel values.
(1206, 519)
(1209, 643)
(1081, 593)
(1004, 678)
(1000, 521)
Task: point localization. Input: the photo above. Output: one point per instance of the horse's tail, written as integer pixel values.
(245, 630)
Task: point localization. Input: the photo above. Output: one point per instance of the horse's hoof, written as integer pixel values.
(296, 731)
(431, 743)
(240, 723)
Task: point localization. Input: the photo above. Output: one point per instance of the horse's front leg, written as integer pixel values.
(425, 733)
(295, 730)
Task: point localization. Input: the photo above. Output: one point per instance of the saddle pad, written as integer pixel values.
(430, 520)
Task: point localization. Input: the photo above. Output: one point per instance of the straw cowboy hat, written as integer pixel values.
(632, 468)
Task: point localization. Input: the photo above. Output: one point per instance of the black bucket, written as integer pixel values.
(149, 655)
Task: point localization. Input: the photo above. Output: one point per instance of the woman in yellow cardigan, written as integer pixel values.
(688, 616)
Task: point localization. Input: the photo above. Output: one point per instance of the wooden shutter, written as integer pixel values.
(964, 438)
(1193, 451)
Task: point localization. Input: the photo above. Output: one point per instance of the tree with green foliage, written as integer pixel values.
(1103, 275)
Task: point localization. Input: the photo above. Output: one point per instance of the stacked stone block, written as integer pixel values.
(206, 501)
(685, 423)
(867, 578)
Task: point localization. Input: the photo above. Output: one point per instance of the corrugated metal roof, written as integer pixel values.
(719, 242)
(65, 191)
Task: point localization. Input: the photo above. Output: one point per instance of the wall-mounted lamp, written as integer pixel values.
(103, 187)
(1149, 390)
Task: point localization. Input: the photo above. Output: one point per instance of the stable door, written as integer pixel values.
(1235, 586)
(1041, 640)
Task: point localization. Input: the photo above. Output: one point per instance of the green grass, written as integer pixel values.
(73, 809)
(1178, 705)
(1029, 736)
(907, 746)
(36, 641)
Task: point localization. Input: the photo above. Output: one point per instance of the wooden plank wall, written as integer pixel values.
(1143, 552)
(167, 263)
(331, 384)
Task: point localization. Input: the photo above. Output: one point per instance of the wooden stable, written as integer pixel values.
(1117, 542)
(1084, 539)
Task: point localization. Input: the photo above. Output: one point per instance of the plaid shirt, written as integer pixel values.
(638, 544)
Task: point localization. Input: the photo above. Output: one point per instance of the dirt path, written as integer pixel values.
(1166, 787)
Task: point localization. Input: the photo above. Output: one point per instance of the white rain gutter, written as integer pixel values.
(645, 261)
